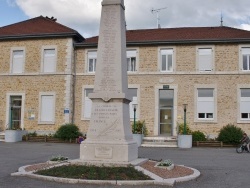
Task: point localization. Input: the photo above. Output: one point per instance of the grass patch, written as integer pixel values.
(94, 173)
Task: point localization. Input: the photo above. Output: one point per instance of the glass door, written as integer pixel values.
(166, 112)
(15, 112)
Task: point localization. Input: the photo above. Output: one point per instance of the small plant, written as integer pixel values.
(59, 158)
(32, 134)
(139, 128)
(180, 128)
(67, 132)
(230, 134)
(166, 163)
(198, 136)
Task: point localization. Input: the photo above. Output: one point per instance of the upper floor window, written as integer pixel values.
(205, 59)
(49, 60)
(166, 60)
(92, 57)
(245, 104)
(205, 104)
(17, 61)
(245, 59)
(131, 60)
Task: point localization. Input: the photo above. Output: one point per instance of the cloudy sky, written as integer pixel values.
(84, 15)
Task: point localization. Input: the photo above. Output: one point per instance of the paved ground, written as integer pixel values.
(220, 168)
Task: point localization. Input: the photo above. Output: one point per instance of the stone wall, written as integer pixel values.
(32, 81)
(225, 79)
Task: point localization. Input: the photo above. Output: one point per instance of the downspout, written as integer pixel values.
(73, 84)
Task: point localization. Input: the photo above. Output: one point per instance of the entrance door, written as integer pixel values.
(15, 112)
(166, 98)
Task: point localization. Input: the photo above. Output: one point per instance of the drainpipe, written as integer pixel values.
(73, 85)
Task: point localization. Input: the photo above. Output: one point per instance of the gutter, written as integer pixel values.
(77, 36)
(171, 42)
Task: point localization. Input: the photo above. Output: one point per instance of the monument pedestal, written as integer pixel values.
(108, 152)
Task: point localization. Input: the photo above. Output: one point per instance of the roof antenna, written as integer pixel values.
(221, 20)
(157, 13)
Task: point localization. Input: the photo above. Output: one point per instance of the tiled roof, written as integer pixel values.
(182, 34)
(39, 26)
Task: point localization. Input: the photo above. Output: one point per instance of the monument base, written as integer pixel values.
(108, 152)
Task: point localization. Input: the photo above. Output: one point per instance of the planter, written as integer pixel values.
(138, 139)
(14, 135)
(171, 167)
(185, 141)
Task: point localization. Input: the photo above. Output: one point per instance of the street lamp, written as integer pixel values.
(185, 122)
(134, 107)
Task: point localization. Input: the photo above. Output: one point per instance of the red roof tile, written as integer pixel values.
(41, 26)
(182, 34)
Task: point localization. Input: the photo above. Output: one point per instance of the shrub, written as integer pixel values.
(180, 128)
(230, 134)
(140, 128)
(67, 132)
(198, 136)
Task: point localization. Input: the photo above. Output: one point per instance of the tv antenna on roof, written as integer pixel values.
(157, 14)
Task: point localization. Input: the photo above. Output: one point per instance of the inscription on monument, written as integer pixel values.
(103, 152)
(108, 81)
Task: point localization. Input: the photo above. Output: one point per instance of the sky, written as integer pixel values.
(84, 15)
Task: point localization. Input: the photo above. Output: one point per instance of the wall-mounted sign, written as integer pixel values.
(66, 111)
(165, 86)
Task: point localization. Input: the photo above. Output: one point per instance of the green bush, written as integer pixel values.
(67, 132)
(180, 129)
(198, 136)
(230, 134)
(139, 128)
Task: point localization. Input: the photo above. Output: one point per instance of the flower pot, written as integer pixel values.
(185, 141)
(171, 167)
(14, 135)
(138, 139)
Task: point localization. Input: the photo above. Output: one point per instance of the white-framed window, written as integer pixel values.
(87, 103)
(48, 60)
(132, 93)
(17, 62)
(245, 103)
(205, 104)
(131, 60)
(166, 59)
(91, 60)
(245, 52)
(47, 108)
(205, 59)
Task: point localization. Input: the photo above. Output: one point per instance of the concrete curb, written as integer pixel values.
(156, 179)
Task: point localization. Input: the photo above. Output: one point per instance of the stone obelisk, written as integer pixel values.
(109, 137)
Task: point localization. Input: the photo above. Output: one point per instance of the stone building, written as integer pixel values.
(47, 71)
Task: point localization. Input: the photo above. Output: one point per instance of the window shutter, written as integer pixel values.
(47, 108)
(18, 61)
(49, 60)
(87, 103)
(205, 59)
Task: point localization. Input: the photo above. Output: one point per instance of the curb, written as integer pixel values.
(156, 179)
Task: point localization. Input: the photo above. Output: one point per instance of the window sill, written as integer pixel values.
(46, 123)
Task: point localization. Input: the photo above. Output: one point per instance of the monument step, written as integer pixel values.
(2, 136)
(159, 142)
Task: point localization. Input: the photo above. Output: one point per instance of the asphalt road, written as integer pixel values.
(220, 168)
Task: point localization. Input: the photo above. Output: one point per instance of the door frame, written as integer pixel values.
(8, 108)
(174, 111)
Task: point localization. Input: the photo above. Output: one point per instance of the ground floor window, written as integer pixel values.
(245, 104)
(205, 104)
(47, 108)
